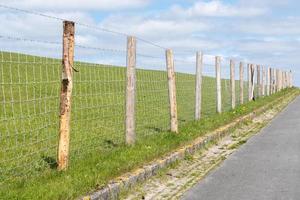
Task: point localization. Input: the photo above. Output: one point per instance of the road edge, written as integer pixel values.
(130, 179)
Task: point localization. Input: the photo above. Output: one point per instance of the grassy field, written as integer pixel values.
(29, 123)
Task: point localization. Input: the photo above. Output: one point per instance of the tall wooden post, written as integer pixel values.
(288, 78)
(282, 79)
(130, 91)
(198, 96)
(263, 81)
(271, 81)
(274, 80)
(66, 95)
(278, 81)
(249, 82)
(268, 81)
(258, 81)
(285, 77)
(291, 78)
(252, 96)
(241, 83)
(218, 83)
(232, 83)
(172, 91)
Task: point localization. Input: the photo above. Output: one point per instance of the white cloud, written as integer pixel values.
(247, 29)
(217, 9)
(155, 28)
(78, 5)
(277, 27)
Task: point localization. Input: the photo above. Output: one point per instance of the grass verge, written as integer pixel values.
(97, 169)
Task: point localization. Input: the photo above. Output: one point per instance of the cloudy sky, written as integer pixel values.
(264, 32)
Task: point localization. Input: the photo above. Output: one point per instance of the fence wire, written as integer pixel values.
(98, 106)
(152, 104)
(30, 92)
(209, 86)
(29, 106)
(225, 84)
(185, 67)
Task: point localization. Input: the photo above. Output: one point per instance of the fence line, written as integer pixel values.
(119, 95)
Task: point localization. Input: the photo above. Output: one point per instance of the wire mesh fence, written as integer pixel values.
(152, 104)
(31, 76)
(99, 77)
(29, 91)
(209, 86)
(185, 67)
(225, 84)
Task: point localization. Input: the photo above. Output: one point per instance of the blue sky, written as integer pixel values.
(264, 32)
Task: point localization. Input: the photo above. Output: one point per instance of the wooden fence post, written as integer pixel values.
(291, 78)
(172, 90)
(218, 83)
(263, 81)
(198, 96)
(284, 74)
(241, 83)
(271, 81)
(66, 95)
(286, 79)
(274, 81)
(258, 81)
(278, 75)
(232, 83)
(277, 78)
(249, 82)
(282, 79)
(268, 81)
(252, 96)
(130, 91)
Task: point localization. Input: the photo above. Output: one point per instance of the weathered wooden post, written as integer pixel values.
(282, 79)
(271, 81)
(172, 90)
(258, 81)
(241, 83)
(291, 78)
(252, 67)
(268, 81)
(66, 95)
(130, 91)
(249, 82)
(286, 79)
(198, 96)
(277, 80)
(218, 83)
(232, 83)
(274, 80)
(263, 80)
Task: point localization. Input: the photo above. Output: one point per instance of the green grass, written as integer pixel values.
(29, 124)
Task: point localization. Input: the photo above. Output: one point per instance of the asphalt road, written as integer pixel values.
(266, 167)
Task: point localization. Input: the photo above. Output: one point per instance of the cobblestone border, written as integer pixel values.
(125, 182)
